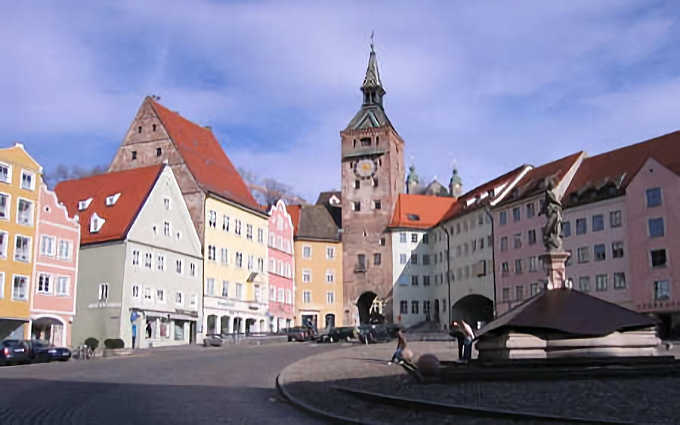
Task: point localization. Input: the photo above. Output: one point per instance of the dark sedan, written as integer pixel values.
(13, 351)
(343, 333)
(298, 333)
(369, 334)
(43, 351)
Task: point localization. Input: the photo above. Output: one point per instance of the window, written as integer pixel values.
(239, 259)
(366, 141)
(103, 292)
(517, 240)
(584, 283)
(260, 235)
(307, 251)
(504, 243)
(503, 217)
(533, 289)
(414, 307)
(426, 239)
(531, 236)
(96, 223)
(179, 266)
(615, 218)
(330, 297)
(377, 204)
(403, 307)
(377, 259)
(160, 262)
(601, 282)
(426, 280)
(330, 276)
(356, 206)
(5, 173)
(148, 258)
(382, 241)
(505, 268)
(357, 184)
(25, 212)
(658, 257)
(4, 206)
(306, 275)
(402, 237)
(135, 291)
(212, 254)
(22, 248)
(47, 245)
(515, 214)
(112, 199)
(566, 229)
(361, 262)
(210, 286)
(330, 252)
(166, 203)
(159, 151)
(260, 264)
(599, 253)
(251, 259)
(656, 227)
(569, 259)
(44, 284)
(617, 249)
(414, 280)
(224, 256)
(237, 227)
(403, 279)
(426, 260)
(192, 269)
(179, 299)
(653, 197)
(225, 223)
(506, 294)
(533, 261)
(619, 280)
(212, 219)
(160, 295)
(133, 155)
(519, 293)
(27, 180)
(531, 210)
(414, 259)
(518, 265)
(414, 237)
(662, 290)
(581, 226)
(20, 288)
(249, 232)
(583, 254)
(306, 297)
(402, 258)
(166, 229)
(65, 250)
(135, 257)
(62, 287)
(194, 300)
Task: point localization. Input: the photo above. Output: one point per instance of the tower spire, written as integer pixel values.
(372, 86)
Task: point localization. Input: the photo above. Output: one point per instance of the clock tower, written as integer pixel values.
(372, 178)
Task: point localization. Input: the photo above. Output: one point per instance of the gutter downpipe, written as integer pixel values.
(487, 210)
(448, 271)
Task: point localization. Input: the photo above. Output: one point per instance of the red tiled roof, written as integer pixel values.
(621, 165)
(294, 212)
(534, 181)
(460, 208)
(134, 186)
(428, 210)
(205, 158)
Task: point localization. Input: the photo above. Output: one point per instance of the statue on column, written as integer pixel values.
(552, 208)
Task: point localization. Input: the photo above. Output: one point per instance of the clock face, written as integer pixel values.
(365, 168)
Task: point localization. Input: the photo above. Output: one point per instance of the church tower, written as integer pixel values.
(372, 179)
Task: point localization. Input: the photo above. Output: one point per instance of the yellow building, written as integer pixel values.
(318, 267)
(19, 188)
(235, 275)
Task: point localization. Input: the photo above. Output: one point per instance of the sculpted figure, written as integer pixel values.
(552, 208)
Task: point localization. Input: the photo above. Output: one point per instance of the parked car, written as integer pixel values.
(43, 351)
(343, 333)
(298, 333)
(213, 340)
(13, 351)
(369, 334)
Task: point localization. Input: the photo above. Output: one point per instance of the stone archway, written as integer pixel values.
(49, 328)
(370, 308)
(474, 309)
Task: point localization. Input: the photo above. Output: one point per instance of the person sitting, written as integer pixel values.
(469, 336)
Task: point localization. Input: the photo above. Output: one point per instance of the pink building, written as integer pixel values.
(518, 236)
(55, 271)
(281, 268)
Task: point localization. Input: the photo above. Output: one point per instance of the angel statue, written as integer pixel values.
(552, 208)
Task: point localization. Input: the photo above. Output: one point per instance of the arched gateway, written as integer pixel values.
(474, 309)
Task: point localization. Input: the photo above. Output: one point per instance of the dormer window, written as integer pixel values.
(96, 223)
(82, 205)
(413, 217)
(111, 200)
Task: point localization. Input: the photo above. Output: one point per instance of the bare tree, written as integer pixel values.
(62, 172)
(269, 190)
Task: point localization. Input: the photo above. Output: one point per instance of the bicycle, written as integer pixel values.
(84, 352)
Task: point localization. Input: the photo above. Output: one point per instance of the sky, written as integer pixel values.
(482, 86)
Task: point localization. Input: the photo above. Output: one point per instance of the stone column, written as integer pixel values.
(554, 266)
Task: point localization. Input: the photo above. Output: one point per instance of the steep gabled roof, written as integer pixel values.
(133, 185)
(294, 212)
(481, 193)
(313, 222)
(206, 159)
(325, 197)
(535, 181)
(420, 211)
(608, 174)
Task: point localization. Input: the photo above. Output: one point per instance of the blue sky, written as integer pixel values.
(484, 85)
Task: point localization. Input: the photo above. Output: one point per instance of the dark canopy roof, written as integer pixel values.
(570, 312)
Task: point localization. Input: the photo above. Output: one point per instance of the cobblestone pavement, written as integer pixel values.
(182, 385)
(644, 400)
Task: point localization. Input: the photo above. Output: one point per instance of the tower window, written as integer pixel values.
(377, 140)
(153, 127)
(357, 184)
(134, 155)
(139, 129)
(159, 151)
(356, 206)
(366, 141)
(355, 143)
(377, 204)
